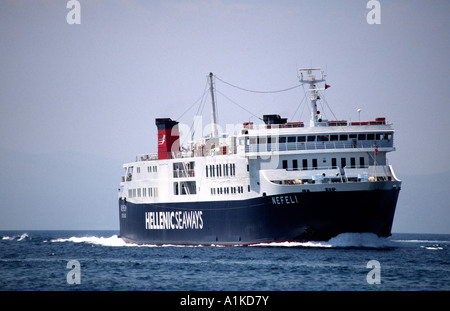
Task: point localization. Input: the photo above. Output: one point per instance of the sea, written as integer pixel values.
(102, 261)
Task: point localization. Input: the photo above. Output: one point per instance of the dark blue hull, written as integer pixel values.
(306, 216)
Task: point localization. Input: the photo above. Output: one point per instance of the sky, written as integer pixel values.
(78, 100)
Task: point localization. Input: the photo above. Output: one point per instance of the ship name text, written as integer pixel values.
(174, 220)
(284, 199)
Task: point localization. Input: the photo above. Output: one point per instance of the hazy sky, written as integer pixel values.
(94, 89)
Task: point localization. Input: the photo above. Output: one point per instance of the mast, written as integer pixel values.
(310, 79)
(213, 107)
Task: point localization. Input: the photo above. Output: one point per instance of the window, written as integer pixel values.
(361, 162)
(370, 136)
(294, 165)
(206, 170)
(343, 137)
(322, 138)
(361, 136)
(343, 162)
(334, 137)
(130, 173)
(292, 139)
(352, 162)
(301, 139)
(181, 169)
(262, 140)
(185, 188)
(282, 139)
(138, 170)
(314, 164)
(311, 138)
(285, 164)
(333, 163)
(305, 164)
(272, 139)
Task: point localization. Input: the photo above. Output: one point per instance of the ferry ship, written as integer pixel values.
(268, 182)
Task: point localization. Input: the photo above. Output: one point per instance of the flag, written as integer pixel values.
(327, 86)
(376, 151)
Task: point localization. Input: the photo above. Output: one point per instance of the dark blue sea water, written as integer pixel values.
(38, 260)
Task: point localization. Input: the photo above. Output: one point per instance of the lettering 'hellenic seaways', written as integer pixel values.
(174, 220)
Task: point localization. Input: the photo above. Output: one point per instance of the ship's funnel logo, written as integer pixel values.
(162, 141)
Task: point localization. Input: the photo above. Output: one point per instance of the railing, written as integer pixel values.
(319, 145)
(329, 175)
(146, 157)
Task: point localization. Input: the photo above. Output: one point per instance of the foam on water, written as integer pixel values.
(110, 241)
(358, 240)
(344, 240)
(21, 237)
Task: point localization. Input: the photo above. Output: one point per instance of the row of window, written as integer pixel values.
(219, 170)
(228, 190)
(129, 172)
(314, 163)
(314, 138)
(150, 169)
(143, 192)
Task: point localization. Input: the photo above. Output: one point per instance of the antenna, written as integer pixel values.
(213, 107)
(310, 79)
